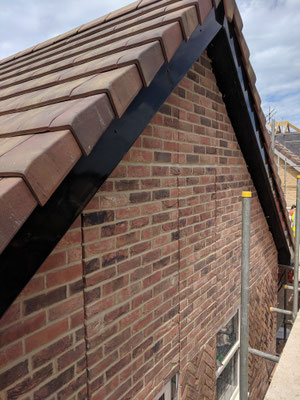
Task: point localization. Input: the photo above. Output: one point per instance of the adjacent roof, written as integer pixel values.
(57, 99)
(290, 144)
(289, 149)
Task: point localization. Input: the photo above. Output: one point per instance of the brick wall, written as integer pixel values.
(42, 345)
(138, 288)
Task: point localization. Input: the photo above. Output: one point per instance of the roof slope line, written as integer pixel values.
(169, 36)
(104, 37)
(44, 46)
(187, 19)
(42, 161)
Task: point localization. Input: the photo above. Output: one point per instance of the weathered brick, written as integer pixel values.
(115, 229)
(139, 197)
(29, 383)
(53, 350)
(115, 314)
(98, 217)
(71, 356)
(118, 366)
(45, 335)
(116, 341)
(22, 328)
(66, 275)
(162, 157)
(55, 384)
(126, 184)
(13, 374)
(38, 302)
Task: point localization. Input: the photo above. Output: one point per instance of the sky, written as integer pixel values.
(271, 29)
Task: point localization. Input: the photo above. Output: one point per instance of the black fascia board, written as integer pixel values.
(46, 225)
(233, 83)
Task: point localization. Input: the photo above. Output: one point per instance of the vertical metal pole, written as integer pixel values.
(296, 259)
(273, 134)
(284, 305)
(245, 288)
(285, 177)
(278, 164)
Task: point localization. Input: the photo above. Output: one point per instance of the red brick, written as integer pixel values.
(118, 366)
(73, 387)
(71, 238)
(129, 212)
(114, 285)
(11, 353)
(71, 356)
(127, 239)
(13, 374)
(53, 350)
(62, 276)
(99, 277)
(114, 257)
(138, 170)
(29, 383)
(97, 248)
(115, 342)
(53, 261)
(66, 308)
(55, 384)
(117, 313)
(22, 328)
(100, 306)
(154, 278)
(11, 315)
(46, 335)
(141, 156)
(43, 300)
(35, 285)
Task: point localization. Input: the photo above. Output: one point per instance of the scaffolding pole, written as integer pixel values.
(245, 288)
(284, 177)
(296, 257)
(262, 354)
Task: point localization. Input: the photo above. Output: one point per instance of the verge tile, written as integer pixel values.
(16, 204)
(87, 118)
(229, 6)
(42, 160)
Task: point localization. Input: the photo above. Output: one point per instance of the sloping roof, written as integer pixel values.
(75, 85)
(57, 99)
(291, 142)
(289, 153)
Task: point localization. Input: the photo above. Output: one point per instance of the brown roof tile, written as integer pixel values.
(237, 19)
(42, 160)
(113, 83)
(229, 6)
(16, 204)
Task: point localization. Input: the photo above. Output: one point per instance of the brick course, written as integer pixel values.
(139, 286)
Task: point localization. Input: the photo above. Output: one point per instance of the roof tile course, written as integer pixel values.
(58, 97)
(16, 204)
(43, 162)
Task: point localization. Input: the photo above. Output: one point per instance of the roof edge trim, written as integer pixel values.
(30, 246)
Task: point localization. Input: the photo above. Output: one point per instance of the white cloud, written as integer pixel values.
(271, 29)
(25, 23)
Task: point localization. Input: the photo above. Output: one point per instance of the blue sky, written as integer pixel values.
(271, 28)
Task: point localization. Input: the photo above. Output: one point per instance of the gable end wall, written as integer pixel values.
(139, 286)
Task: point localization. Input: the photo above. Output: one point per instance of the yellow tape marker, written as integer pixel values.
(298, 176)
(246, 194)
